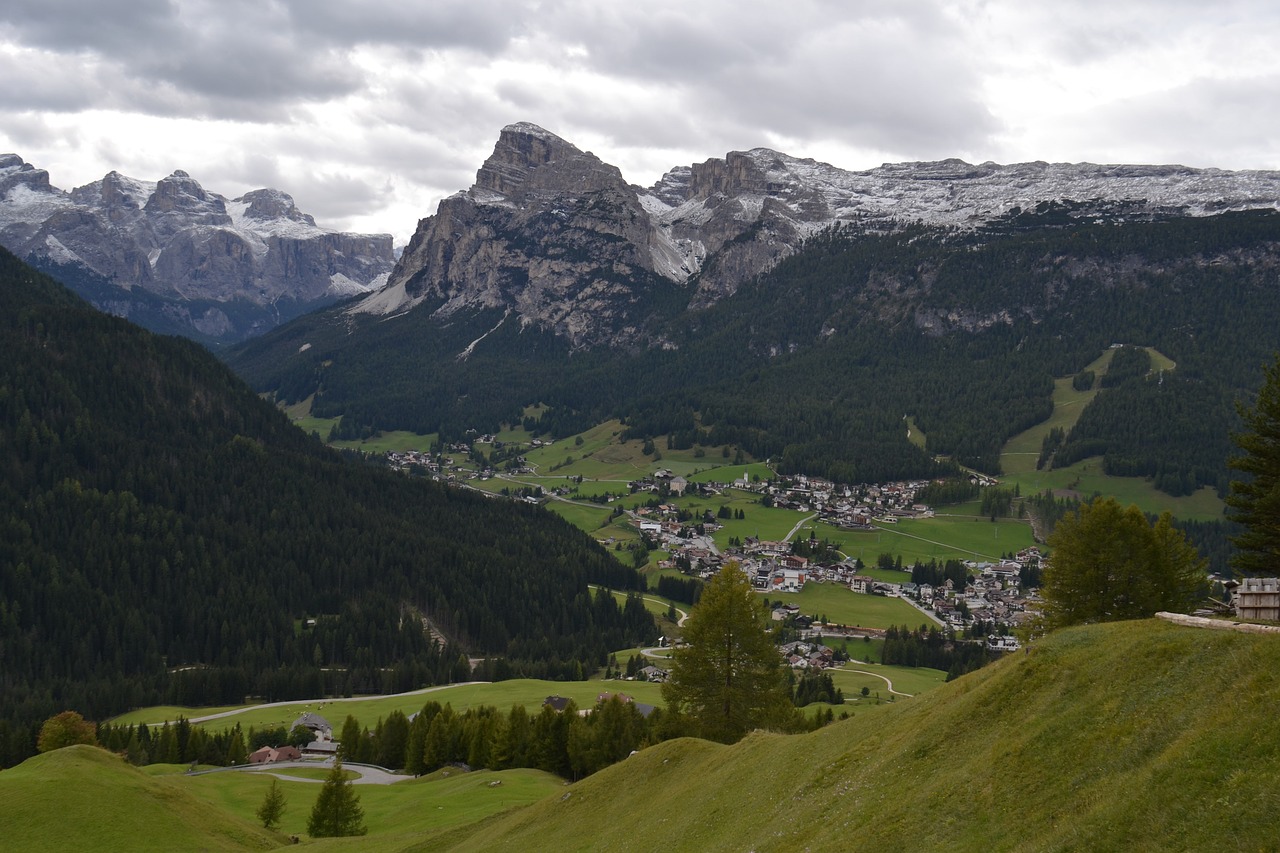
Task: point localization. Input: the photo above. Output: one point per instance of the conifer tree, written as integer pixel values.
(1255, 500)
(1110, 563)
(272, 807)
(337, 812)
(729, 678)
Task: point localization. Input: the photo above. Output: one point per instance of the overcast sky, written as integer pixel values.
(370, 112)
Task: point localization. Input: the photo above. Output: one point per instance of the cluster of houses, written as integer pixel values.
(322, 744)
(560, 703)
(808, 656)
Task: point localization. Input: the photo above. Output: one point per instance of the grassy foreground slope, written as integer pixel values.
(1128, 736)
(82, 798)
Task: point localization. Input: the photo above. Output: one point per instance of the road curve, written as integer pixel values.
(246, 709)
(879, 676)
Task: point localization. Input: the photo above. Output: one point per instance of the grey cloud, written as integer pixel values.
(893, 78)
(1235, 119)
(485, 27)
(104, 26)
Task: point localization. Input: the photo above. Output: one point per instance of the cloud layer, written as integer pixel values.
(369, 113)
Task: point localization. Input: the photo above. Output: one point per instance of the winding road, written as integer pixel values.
(234, 711)
(879, 676)
(367, 774)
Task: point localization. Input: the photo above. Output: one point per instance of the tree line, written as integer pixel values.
(167, 536)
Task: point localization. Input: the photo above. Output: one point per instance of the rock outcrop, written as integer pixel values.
(547, 230)
(556, 236)
(217, 269)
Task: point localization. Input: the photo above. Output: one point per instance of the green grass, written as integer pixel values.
(843, 606)
(502, 694)
(852, 677)
(766, 522)
(1084, 478)
(732, 473)
(1130, 736)
(657, 605)
(915, 435)
(396, 815)
(168, 712)
(85, 799)
(944, 537)
(588, 518)
(393, 440)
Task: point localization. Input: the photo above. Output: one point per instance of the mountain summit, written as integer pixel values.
(556, 236)
(177, 258)
(547, 230)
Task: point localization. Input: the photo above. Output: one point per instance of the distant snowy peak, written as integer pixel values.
(953, 192)
(555, 234)
(176, 240)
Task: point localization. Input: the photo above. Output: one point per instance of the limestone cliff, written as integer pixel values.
(557, 237)
(216, 268)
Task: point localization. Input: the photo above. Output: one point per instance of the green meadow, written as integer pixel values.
(842, 606)
(368, 710)
(880, 680)
(1086, 478)
(1137, 735)
(397, 815)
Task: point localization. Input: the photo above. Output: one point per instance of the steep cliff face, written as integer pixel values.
(556, 236)
(176, 257)
(547, 231)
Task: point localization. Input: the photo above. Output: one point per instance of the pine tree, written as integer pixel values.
(1255, 501)
(1110, 563)
(272, 807)
(729, 678)
(337, 812)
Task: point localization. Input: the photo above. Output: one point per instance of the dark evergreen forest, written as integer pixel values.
(815, 363)
(167, 536)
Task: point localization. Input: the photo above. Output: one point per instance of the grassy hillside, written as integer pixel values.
(1129, 736)
(85, 799)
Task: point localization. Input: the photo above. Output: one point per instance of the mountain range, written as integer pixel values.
(558, 237)
(176, 258)
(798, 311)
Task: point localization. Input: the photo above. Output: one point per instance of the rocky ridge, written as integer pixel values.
(222, 269)
(557, 236)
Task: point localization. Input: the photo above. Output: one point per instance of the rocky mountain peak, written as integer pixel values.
(171, 245)
(553, 234)
(530, 160)
(548, 230)
(14, 172)
(180, 193)
(269, 204)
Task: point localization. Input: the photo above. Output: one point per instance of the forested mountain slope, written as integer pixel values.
(166, 535)
(816, 362)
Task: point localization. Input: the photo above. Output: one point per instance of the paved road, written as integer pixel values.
(799, 524)
(369, 774)
(235, 711)
(879, 676)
